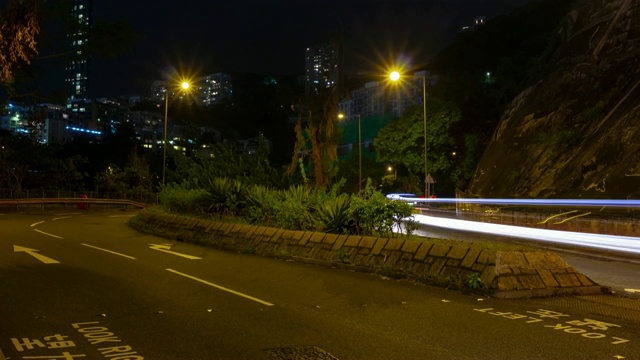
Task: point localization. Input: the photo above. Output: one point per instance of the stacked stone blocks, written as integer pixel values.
(510, 273)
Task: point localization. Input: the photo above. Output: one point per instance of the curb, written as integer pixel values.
(508, 274)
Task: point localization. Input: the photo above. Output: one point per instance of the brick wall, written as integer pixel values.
(502, 273)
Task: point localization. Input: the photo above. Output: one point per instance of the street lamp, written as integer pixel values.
(185, 86)
(395, 76)
(395, 172)
(340, 116)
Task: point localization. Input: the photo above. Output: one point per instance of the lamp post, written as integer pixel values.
(395, 76)
(341, 116)
(359, 153)
(185, 86)
(395, 172)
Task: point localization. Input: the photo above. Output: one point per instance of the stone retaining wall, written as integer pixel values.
(507, 274)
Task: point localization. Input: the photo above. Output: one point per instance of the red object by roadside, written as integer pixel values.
(83, 205)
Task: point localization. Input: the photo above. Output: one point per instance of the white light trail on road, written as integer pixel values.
(221, 288)
(46, 233)
(109, 251)
(537, 202)
(626, 244)
(38, 223)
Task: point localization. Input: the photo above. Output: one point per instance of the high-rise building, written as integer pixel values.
(321, 67)
(77, 70)
(214, 88)
(206, 90)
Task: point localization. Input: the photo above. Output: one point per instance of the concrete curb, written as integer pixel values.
(464, 266)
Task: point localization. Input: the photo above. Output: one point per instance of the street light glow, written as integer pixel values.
(185, 86)
(395, 76)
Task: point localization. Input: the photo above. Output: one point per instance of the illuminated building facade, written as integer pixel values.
(215, 88)
(321, 67)
(77, 70)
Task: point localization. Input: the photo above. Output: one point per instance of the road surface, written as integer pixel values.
(87, 286)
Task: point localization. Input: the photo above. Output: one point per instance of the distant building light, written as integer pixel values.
(87, 131)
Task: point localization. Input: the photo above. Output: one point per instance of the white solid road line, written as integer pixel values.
(60, 218)
(38, 223)
(109, 251)
(221, 288)
(45, 233)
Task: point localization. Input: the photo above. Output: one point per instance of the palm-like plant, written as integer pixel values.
(226, 196)
(336, 215)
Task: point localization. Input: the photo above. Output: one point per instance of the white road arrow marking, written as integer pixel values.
(632, 290)
(165, 248)
(33, 252)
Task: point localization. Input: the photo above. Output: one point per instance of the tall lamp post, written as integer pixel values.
(359, 153)
(395, 76)
(185, 86)
(341, 116)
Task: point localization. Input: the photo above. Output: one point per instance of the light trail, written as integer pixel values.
(536, 202)
(627, 244)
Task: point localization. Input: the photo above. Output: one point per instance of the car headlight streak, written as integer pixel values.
(626, 244)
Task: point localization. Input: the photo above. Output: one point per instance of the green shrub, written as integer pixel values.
(376, 215)
(177, 198)
(294, 212)
(473, 281)
(226, 197)
(335, 215)
(261, 206)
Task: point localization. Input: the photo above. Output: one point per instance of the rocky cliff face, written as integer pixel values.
(576, 133)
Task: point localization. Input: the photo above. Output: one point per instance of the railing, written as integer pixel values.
(142, 197)
(80, 203)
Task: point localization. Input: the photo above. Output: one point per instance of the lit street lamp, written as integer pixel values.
(185, 86)
(395, 172)
(395, 76)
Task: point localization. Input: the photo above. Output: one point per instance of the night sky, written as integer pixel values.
(269, 37)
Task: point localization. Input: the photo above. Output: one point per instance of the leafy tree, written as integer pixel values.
(223, 162)
(63, 173)
(317, 135)
(402, 141)
(19, 26)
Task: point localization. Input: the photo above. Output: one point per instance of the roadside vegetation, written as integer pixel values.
(298, 207)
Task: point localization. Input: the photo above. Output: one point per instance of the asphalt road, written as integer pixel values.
(97, 289)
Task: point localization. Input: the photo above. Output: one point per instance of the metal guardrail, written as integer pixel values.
(80, 203)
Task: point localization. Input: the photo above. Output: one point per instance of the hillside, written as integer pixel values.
(575, 133)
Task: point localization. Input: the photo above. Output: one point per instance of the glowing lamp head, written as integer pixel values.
(395, 76)
(185, 85)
